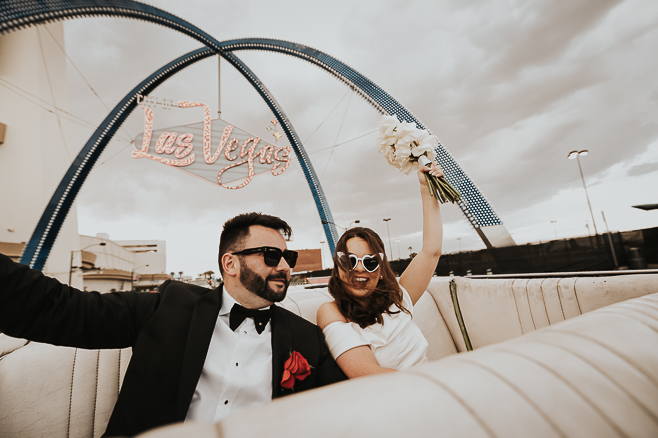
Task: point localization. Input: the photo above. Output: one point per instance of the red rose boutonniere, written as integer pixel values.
(295, 368)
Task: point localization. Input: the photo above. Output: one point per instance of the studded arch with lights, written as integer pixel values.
(16, 14)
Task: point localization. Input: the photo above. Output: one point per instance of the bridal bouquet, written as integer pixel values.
(405, 147)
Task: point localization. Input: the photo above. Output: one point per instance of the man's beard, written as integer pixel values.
(260, 286)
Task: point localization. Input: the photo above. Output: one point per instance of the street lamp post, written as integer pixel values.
(390, 247)
(576, 155)
(73, 252)
(612, 247)
(461, 263)
(132, 275)
(399, 252)
(554, 230)
(357, 221)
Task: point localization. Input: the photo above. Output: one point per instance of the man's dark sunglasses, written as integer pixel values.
(272, 256)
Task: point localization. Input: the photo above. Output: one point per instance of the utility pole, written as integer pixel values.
(219, 85)
(612, 247)
(390, 247)
(576, 155)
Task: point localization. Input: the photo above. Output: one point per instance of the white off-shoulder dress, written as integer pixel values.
(397, 343)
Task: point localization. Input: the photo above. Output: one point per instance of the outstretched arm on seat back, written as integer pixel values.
(39, 308)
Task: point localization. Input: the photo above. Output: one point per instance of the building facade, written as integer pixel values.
(37, 147)
(124, 264)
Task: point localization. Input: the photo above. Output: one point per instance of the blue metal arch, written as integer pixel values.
(18, 13)
(15, 14)
(473, 204)
(309, 173)
(38, 247)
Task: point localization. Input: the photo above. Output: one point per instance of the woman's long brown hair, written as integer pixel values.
(380, 300)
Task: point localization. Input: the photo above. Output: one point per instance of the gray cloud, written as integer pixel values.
(509, 87)
(641, 169)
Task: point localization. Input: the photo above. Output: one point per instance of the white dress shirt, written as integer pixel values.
(237, 373)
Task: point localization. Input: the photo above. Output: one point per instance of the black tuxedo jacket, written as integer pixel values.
(169, 333)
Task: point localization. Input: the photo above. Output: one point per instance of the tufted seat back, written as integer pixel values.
(66, 392)
(591, 376)
(496, 309)
(57, 391)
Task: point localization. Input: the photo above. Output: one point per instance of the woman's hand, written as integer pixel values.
(435, 170)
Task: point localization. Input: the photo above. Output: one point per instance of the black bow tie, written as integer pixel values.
(239, 313)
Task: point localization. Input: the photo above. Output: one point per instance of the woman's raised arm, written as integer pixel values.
(418, 274)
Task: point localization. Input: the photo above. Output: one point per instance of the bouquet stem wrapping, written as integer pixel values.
(439, 187)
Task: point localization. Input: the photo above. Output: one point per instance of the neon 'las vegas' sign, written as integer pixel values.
(238, 156)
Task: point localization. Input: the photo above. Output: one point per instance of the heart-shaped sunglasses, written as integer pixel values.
(370, 262)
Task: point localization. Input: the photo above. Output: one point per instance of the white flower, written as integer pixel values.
(389, 154)
(388, 125)
(408, 132)
(417, 151)
(408, 167)
(425, 146)
(384, 141)
(402, 143)
(382, 146)
(402, 153)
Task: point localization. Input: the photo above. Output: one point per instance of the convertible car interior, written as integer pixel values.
(556, 356)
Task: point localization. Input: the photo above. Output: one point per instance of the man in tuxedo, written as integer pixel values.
(198, 354)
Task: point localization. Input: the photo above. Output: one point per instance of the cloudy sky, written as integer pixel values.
(510, 87)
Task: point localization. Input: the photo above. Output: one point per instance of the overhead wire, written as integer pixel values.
(53, 108)
(63, 113)
(78, 70)
(59, 110)
(325, 119)
(298, 169)
(343, 143)
(86, 82)
(337, 135)
(72, 117)
(52, 94)
(115, 154)
(337, 144)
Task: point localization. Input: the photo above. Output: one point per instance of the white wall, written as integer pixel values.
(147, 252)
(35, 156)
(111, 255)
(105, 286)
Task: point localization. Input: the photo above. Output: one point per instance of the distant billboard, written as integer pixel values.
(232, 161)
(308, 260)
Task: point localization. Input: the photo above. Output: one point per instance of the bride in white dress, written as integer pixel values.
(369, 326)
